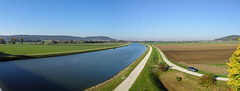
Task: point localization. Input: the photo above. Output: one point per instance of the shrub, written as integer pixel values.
(179, 79)
(234, 69)
(207, 79)
(162, 67)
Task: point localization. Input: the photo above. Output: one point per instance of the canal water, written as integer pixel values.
(67, 73)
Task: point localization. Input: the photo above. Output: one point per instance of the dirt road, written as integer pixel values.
(173, 66)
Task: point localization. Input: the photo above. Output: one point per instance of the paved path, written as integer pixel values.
(173, 66)
(127, 83)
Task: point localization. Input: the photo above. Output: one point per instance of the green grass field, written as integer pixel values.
(24, 51)
(17, 49)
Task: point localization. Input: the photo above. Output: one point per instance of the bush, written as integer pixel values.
(207, 79)
(162, 67)
(179, 79)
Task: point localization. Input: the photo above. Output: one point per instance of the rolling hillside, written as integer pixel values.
(229, 38)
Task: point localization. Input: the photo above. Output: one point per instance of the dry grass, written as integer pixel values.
(206, 57)
(188, 83)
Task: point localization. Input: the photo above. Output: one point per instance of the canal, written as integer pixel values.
(67, 73)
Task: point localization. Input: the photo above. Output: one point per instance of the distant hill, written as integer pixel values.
(229, 38)
(54, 37)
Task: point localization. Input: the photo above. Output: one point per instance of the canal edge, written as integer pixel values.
(103, 84)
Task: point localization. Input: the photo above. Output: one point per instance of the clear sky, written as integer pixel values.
(122, 19)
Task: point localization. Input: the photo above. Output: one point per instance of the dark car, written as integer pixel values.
(192, 69)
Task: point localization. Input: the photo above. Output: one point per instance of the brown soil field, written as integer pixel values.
(206, 57)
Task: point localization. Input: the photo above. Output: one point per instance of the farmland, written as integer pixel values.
(156, 80)
(209, 58)
(195, 42)
(14, 50)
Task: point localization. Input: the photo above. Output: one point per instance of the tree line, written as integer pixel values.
(12, 41)
(81, 41)
(15, 40)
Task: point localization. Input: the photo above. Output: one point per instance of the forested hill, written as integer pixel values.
(229, 38)
(54, 37)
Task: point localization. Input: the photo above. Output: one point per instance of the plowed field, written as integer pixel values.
(205, 57)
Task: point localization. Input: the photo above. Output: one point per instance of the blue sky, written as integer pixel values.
(122, 19)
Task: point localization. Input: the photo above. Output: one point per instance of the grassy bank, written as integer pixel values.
(188, 82)
(112, 83)
(148, 78)
(15, 52)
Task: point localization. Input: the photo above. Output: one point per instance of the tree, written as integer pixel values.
(11, 39)
(162, 67)
(54, 42)
(2, 41)
(207, 79)
(234, 69)
(21, 40)
(14, 40)
(71, 41)
(42, 42)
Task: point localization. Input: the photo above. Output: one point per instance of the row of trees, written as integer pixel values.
(78, 41)
(12, 41)
(2, 41)
(74, 42)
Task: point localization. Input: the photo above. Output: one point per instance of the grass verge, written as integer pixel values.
(112, 83)
(148, 78)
